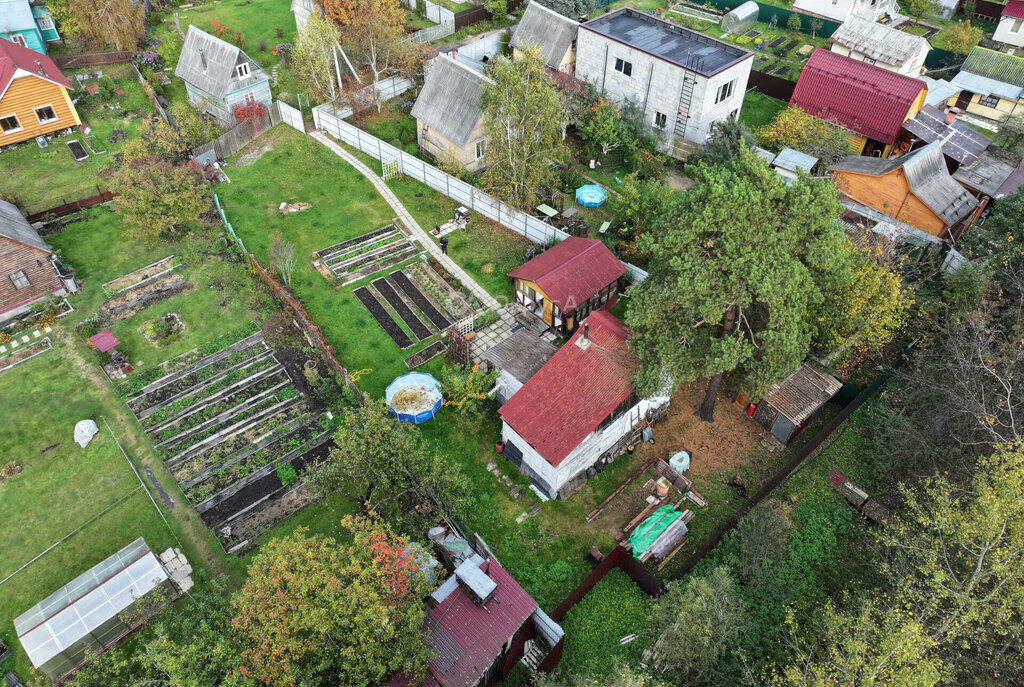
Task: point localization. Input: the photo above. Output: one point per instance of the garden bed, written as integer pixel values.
(386, 322)
(434, 289)
(20, 355)
(388, 293)
(421, 301)
(364, 255)
(134, 279)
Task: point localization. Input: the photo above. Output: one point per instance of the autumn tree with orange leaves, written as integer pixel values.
(345, 12)
(315, 612)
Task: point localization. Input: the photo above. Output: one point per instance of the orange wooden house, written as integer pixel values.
(914, 189)
(34, 98)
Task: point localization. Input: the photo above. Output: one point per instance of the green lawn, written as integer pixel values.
(42, 178)
(344, 205)
(258, 20)
(759, 109)
(60, 488)
(391, 125)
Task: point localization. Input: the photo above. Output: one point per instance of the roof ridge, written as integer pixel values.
(557, 14)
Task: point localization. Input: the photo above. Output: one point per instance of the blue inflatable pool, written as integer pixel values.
(591, 195)
(414, 397)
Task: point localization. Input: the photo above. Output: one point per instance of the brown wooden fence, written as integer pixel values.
(988, 10)
(92, 59)
(313, 332)
(237, 138)
(775, 86)
(73, 207)
(478, 13)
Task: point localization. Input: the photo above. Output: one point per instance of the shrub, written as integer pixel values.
(286, 473)
(147, 59)
(5, 338)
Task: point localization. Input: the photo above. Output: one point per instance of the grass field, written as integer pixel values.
(759, 109)
(60, 488)
(42, 178)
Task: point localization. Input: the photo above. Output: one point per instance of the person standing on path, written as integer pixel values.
(444, 245)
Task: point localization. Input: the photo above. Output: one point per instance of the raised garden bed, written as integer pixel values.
(363, 255)
(137, 298)
(421, 301)
(450, 301)
(22, 354)
(133, 279)
(429, 353)
(386, 322)
(388, 293)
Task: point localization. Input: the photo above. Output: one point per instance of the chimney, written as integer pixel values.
(952, 114)
(584, 341)
(39, 66)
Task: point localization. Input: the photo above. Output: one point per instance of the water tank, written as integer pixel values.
(741, 19)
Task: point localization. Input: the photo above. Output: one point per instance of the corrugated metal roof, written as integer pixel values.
(14, 57)
(208, 63)
(521, 354)
(1013, 182)
(983, 85)
(959, 141)
(985, 174)
(794, 160)
(14, 226)
(575, 391)
(547, 29)
(995, 65)
(670, 42)
(572, 271)
(866, 99)
(939, 91)
(802, 393)
(878, 41)
(450, 101)
(1014, 9)
(16, 15)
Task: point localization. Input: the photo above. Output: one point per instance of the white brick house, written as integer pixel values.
(683, 80)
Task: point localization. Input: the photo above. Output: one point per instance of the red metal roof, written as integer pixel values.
(14, 57)
(863, 98)
(563, 403)
(104, 341)
(572, 271)
(1015, 9)
(466, 637)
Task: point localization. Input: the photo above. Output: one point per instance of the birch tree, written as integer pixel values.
(313, 58)
(521, 114)
(120, 23)
(378, 40)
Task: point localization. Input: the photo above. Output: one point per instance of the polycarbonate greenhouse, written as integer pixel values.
(81, 617)
(741, 19)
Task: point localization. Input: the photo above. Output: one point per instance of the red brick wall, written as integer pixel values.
(36, 265)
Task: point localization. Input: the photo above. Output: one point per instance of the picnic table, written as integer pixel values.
(547, 210)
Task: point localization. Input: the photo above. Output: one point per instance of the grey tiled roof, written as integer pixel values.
(14, 226)
(546, 29)
(878, 41)
(208, 63)
(450, 101)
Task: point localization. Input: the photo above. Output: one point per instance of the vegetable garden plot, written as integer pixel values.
(388, 293)
(356, 258)
(226, 419)
(422, 302)
(386, 322)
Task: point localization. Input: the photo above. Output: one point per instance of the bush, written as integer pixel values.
(286, 473)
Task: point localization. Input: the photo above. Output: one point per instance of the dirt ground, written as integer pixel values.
(725, 444)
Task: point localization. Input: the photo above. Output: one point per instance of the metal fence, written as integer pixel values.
(324, 117)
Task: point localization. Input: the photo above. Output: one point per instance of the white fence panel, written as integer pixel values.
(291, 116)
(536, 230)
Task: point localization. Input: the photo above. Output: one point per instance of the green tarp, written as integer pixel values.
(649, 530)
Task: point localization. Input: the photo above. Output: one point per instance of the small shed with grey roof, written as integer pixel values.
(554, 34)
(889, 48)
(219, 76)
(792, 404)
(789, 163)
(518, 357)
(986, 174)
(449, 114)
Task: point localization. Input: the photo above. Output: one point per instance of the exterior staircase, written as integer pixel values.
(533, 654)
(681, 148)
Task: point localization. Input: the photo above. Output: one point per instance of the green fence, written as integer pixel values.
(765, 16)
(231, 230)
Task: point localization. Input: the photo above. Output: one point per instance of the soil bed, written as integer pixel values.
(421, 301)
(389, 294)
(435, 290)
(429, 353)
(386, 322)
(133, 278)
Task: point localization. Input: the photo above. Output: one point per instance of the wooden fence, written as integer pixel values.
(72, 207)
(237, 138)
(92, 59)
(988, 10)
(775, 86)
(478, 14)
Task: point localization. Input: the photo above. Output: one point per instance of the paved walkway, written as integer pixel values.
(491, 334)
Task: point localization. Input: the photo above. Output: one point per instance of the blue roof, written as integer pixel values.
(16, 15)
(983, 85)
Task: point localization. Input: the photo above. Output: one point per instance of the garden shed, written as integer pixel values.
(517, 357)
(83, 617)
(792, 403)
(741, 19)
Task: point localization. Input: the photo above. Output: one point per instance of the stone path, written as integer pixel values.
(491, 334)
(20, 339)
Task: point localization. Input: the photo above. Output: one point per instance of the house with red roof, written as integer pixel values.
(579, 410)
(34, 98)
(870, 102)
(567, 282)
(1011, 24)
(479, 626)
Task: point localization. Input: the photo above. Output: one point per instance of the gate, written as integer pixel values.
(291, 116)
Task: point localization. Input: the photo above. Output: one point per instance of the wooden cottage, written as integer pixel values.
(870, 102)
(34, 98)
(793, 403)
(991, 84)
(567, 282)
(449, 118)
(29, 269)
(219, 76)
(915, 189)
(548, 30)
(881, 45)
(579, 410)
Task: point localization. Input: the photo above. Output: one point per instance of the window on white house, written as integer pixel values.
(574, 45)
(1017, 23)
(10, 123)
(19, 39)
(869, 60)
(622, 66)
(735, 113)
(19, 279)
(45, 114)
(242, 70)
(249, 98)
(660, 120)
(480, 148)
(46, 24)
(725, 91)
(989, 101)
